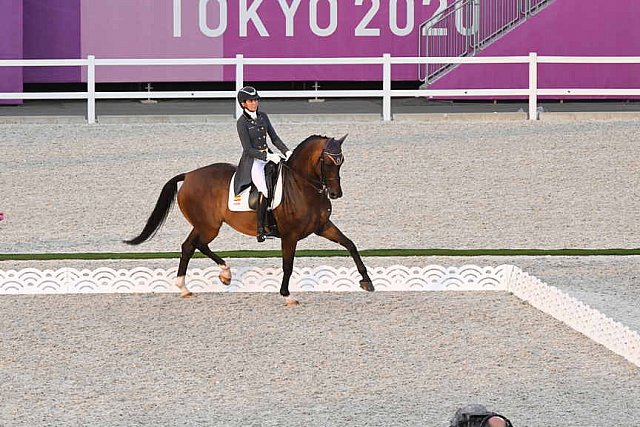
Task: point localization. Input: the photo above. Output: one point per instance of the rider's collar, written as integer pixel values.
(252, 114)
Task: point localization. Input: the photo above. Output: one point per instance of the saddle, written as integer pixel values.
(247, 200)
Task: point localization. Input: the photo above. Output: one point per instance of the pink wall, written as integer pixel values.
(564, 28)
(255, 28)
(10, 46)
(51, 31)
(263, 28)
(144, 29)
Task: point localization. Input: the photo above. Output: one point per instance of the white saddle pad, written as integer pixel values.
(240, 203)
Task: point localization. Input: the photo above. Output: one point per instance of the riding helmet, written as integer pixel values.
(247, 92)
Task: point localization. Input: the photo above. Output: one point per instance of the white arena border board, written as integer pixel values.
(577, 315)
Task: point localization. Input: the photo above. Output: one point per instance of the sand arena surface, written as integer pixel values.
(375, 359)
(338, 359)
(442, 184)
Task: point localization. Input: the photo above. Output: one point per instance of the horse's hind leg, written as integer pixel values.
(188, 249)
(331, 232)
(225, 269)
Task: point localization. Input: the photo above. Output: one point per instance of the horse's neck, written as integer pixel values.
(305, 162)
(301, 183)
(303, 178)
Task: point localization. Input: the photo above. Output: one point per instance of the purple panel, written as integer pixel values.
(145, 29)
(255, 28)
(51, 31)
(598, 29)
(10, 46)
(323, 28)
(360, 31)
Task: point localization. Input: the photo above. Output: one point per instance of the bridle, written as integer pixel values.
(321, 185)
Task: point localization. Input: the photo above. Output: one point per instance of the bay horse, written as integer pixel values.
(311, 177)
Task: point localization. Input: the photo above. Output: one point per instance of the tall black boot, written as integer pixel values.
(261, 212)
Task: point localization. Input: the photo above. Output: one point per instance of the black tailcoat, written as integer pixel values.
(253, 136)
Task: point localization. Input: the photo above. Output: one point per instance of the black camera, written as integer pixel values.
(478, 416)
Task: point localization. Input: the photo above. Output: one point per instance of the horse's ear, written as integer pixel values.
(341, 140)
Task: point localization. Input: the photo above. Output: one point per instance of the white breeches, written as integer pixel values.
(257, 176)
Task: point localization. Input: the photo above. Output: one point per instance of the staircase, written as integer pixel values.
(465, 27)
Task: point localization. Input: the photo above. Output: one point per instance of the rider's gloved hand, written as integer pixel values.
(288, 154)
(272, 157)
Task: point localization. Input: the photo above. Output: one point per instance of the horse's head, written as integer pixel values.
(331, 160)
(318, 160)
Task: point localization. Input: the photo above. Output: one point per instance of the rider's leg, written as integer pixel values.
(257, 176)
(261, 212)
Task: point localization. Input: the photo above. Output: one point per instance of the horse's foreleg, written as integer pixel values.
(288, 253)
(331, 232)
(225, 269)
(188, 249)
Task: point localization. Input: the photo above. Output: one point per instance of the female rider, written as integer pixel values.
(253, 127)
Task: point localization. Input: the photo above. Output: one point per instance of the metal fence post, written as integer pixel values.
(533, 86)
(239, 81)
(386, 87)
(91, 89)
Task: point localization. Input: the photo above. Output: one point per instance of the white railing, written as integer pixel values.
(386, 93)
(577, 315)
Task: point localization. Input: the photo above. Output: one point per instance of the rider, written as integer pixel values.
(253, 127)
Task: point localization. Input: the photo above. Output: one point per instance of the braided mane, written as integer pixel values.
(304, 143)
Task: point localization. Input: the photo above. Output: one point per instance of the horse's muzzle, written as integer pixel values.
(335, 194)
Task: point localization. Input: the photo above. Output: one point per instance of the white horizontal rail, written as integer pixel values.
(589, 59)
(166, 94)
(459, 92)
(43, 62)
(460, 60)
(385, 61)
(313, 61)
(322, 93)
(589, 92)
(44, 95)
(166, 61)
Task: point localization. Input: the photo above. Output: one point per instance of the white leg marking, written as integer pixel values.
(181, 284)
(290, 300)
(225, 274)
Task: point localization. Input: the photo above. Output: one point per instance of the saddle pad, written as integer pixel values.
(240, 203)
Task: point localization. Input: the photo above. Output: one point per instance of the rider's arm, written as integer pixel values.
(245, 140)
(275, 139)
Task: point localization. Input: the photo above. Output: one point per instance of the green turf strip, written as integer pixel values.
(327, 253)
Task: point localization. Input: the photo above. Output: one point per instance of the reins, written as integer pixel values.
(336, 158)
(312, 183)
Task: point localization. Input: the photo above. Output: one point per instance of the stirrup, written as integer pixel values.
(272, 231)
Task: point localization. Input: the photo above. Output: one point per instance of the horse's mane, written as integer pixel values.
(304, 143)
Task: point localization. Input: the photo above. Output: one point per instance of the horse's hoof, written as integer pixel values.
(187, 295)
(367, 286)
(290, 301)
(225, 274)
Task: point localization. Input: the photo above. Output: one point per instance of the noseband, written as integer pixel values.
(336, 158)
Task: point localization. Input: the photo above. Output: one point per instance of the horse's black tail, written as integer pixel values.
(160, 212)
